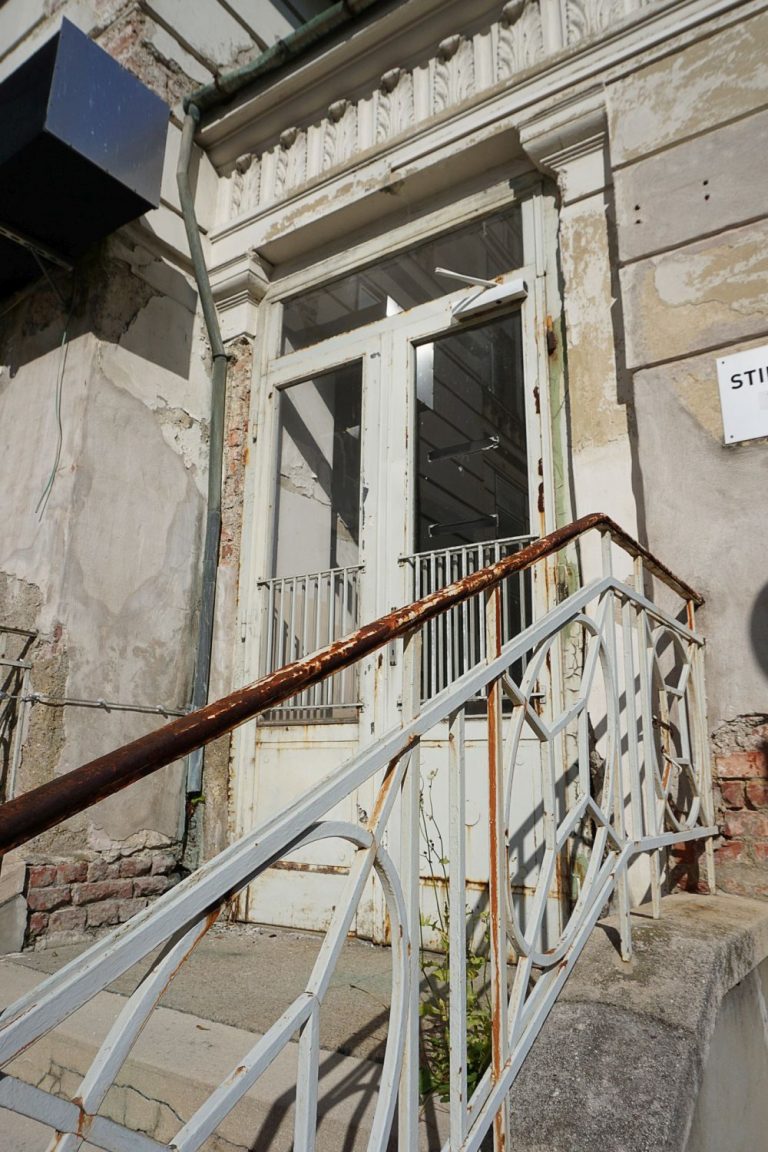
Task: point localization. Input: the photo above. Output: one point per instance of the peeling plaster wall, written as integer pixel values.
(689, 167)
(108, 570)
(687, 139)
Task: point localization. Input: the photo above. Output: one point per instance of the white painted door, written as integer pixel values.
(431, 423)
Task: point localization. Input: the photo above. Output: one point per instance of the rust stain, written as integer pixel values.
(551, 337)
(323, 869)
(42, 808)
(382, 794)
(537, 399)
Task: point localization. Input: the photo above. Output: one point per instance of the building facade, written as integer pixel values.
(474, 267)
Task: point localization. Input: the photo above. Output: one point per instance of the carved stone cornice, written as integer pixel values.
(238, 287)
(568, 142)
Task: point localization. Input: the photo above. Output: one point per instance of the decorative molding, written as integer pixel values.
(525, 34)
(585, 19)
(520, 38)
(568, 142)
(238, 288)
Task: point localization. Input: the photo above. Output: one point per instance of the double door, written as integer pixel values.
(399, 457)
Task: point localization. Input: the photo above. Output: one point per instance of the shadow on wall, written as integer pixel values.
(131, 299)
(758, 628)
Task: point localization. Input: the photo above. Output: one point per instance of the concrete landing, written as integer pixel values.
(666, 1052)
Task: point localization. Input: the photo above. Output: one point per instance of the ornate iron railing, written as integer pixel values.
(624, 771)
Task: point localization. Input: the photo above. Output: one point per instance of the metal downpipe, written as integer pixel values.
(218, 397)
(204, 98)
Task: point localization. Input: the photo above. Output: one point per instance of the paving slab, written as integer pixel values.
(246, 975)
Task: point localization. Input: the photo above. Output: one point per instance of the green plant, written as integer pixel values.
(435, 1064)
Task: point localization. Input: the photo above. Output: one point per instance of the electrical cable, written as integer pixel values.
(63, 350)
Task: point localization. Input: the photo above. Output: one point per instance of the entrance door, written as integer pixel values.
(398, 454)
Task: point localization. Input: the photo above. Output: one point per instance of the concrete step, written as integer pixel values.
(232, 989)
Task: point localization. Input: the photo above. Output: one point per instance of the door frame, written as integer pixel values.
(386, 346)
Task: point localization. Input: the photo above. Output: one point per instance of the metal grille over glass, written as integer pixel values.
(317, 528)
(455, 641)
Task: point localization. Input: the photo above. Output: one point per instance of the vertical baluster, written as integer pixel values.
(317, 689)
(498, 871)
(630, 695)
(304, 646)
(432, 631)
(457, 958)
(613, 691)
(652, 823)
(305, 1122)
(408, 1100)
(423, 590)
(440, 560)
(269, 665)
(702, 745)
(20, 735)
(282, 627)
(523, 578)
(466, 623)
(346, 576)
(331, 628)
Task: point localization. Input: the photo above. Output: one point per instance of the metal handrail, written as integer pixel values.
(42, 808)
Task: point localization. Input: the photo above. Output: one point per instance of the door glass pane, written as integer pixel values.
(318, 490)
(485, 248)
(471, 452)
(313, 598)
(472, 486)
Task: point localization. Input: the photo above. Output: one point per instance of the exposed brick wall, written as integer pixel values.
(78, 898)
(741, 777)
(240, 352)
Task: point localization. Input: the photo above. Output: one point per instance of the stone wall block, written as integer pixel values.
(706, 185)
(704, 295)
(743, 765)
(46, 899)
(712, 81)
(128, 908)
(732, 792)
(102, 870)
(135, 866)
(73, 873)
(102, 890)
(38, 924)
(151, 885)
(752, 824)
(103, 914)
(67, 920)
(730, 852)
(163, 862)
(757, 793)
(42, 875)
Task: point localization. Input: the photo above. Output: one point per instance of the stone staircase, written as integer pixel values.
(233, 987)
(666, 1051)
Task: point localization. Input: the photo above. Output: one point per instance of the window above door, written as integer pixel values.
(483, 249)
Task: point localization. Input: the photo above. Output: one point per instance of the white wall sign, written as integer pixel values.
(743, 380)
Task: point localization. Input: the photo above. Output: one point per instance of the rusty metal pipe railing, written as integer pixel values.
(44, 807)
